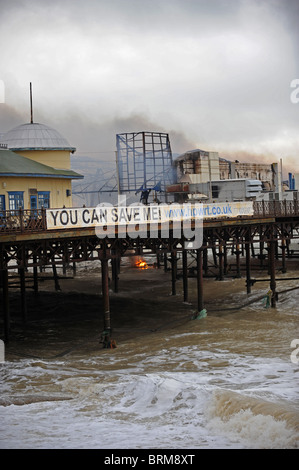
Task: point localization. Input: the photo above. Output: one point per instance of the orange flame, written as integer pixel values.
(141, 264)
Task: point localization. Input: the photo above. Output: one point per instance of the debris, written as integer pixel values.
(199, 315)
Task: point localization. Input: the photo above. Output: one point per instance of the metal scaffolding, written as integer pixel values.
(144, 163)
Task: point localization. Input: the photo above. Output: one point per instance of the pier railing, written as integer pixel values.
(19, 221)
(283, 208)
(23, 221)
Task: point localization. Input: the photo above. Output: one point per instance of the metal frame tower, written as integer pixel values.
(144, 162)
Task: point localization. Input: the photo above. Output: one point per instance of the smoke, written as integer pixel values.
(289, 165)
(10, 118)
(97, 138)
(103, 68)
(244, 156)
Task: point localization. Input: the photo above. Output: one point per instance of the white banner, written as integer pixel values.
(140, 214)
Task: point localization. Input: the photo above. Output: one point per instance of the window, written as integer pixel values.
(215, 192)
(43, 199)
(16, 200)
(2, 202)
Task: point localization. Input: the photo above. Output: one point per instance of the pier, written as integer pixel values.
(27, 244)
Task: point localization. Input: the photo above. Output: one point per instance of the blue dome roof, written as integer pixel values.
(34, 136)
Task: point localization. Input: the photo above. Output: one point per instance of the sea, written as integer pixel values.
(227, 380)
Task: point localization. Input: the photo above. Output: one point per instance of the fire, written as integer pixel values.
(141, 264)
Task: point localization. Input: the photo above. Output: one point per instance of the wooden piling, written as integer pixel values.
(272, 251)
(173, 272)
(200, 302)
(74, 269)
(185, 275)
(55, 275)
(261, 255)
(214, 257)
(238, 252)
(105, 294)
(158, 262)
(283, 256)
(225, 263)
(221, 262)
(35, 276)
(5, 301)
(165, 262)
(205, 260)
(248, 263)
(23, 294)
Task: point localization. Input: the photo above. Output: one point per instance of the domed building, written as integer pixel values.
(40, 143)
(35, 168)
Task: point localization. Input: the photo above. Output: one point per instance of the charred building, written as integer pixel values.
(204, 175)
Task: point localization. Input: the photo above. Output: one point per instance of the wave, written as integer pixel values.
(29, 399)
(262, 423)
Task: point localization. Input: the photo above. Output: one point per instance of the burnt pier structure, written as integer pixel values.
(27, 245)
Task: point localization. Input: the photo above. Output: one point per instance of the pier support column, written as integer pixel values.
(23, 294)
(205, 258)
(214, 257)
(283, 255)
(261, 255)
(173, 272)
(272, 249)
(35, 276)
(55, 275)
(65, 258)
(165, 262)
(74, 269)
(276, 250)
(158, 260)
(115, 272)
(248, 263)
(185, 275)
(105, 294)
(225, 263)
(200, 302)
(5, 301)
(221, 263)
(238, 252)
(22, 265)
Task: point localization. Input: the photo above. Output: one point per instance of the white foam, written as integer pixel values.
(193, 393)
(255, 423)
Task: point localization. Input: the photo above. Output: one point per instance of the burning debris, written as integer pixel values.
(141, 264)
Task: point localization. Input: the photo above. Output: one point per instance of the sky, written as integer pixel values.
(214, 74)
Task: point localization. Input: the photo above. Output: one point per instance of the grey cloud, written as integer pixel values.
(99, 138)
(208, 73)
